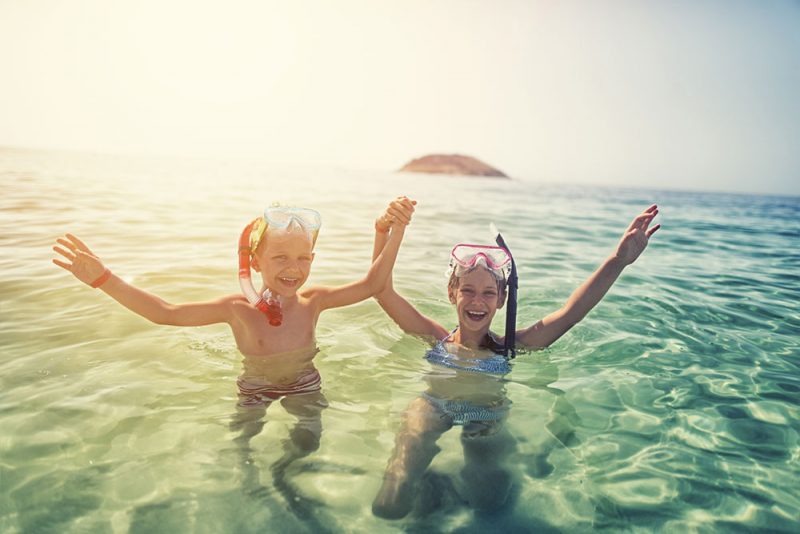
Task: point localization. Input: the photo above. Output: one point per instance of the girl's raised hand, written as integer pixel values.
(81, 261)
(399, 210)
(636, 237)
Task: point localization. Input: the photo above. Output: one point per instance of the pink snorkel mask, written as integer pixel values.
(465, 257)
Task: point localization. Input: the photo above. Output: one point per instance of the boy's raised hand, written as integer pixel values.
(635, 238)
(82, 262)
(399, 210)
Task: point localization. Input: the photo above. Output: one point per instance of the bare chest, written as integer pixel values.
(255, 336)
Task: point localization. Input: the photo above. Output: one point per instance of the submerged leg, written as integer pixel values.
(415, 448)
(306, 433)
(487, 446)
(304, 438)
(248, 421)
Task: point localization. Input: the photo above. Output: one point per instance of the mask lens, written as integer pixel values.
(467, 255)
(282, 217)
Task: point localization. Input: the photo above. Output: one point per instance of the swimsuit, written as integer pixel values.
(496, 364)
(463, 412)
(253, 395)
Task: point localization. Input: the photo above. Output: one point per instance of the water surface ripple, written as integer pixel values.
(673, 406)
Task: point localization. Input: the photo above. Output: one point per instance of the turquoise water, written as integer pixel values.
(673, 406)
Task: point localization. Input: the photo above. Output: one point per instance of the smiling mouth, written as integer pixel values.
(289, 282)
(476, 316)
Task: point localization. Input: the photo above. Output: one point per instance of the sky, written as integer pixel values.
(694, 94)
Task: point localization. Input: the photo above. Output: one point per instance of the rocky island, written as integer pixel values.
(451, 164)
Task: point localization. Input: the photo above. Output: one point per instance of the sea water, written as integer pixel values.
(673, 406)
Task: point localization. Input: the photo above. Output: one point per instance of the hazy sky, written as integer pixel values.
(695, 94)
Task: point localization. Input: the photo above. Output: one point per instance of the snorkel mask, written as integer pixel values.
(497, 260)
(288, 219)
(276, 218)
(465, 257)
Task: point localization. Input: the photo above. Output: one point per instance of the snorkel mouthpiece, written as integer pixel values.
(273, 303)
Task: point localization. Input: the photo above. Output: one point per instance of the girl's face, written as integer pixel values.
(477, 299)
(284, 261)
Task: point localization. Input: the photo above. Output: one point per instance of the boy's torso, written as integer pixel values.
(255, 337)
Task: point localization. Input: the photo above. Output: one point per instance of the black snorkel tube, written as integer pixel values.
(509, 346)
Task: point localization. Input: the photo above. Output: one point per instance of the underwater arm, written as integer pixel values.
(592, 291)
(89, 269)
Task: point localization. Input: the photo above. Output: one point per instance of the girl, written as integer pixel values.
(466, 387)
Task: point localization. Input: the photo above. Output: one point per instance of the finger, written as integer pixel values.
(81, 245)
(69, 255)
(401, 210)
(68, 244)
(646, 222)
(63, 265)
(399, 216)
(641, 221)
(404, 205)
(409, 203)
(653, 230)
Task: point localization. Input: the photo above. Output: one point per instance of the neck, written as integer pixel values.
(284, 299)
(472, 339)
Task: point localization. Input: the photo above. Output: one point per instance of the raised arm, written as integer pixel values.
(407, 317)
(88, 268)
(371, 284)
(592, 291)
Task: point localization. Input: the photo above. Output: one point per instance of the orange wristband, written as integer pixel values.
(102, 280)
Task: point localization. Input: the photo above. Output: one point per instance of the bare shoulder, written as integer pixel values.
(313, 292)
(234, 302)
(312, 295)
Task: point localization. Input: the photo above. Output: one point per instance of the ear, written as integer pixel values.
(313, 255)
(451, 294)
(254, 264)
(501, 299)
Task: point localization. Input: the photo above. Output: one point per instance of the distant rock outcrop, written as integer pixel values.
(451, 164)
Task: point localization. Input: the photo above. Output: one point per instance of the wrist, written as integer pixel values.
(616, 262)
(380, 227)
(102, 279)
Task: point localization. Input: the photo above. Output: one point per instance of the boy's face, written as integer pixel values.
(477, 299)
(284, 261)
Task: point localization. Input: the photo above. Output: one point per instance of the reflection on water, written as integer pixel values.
(673, 406)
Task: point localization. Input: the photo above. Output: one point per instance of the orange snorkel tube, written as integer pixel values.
(266, 303)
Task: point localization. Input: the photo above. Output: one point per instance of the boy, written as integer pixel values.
(283, 255)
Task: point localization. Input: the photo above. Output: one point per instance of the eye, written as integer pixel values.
(467, 291)
(280, 257)
(305, 258)
(489, 294)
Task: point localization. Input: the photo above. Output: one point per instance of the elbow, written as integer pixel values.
(165, 315)
(374, 284)
(377, 288)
